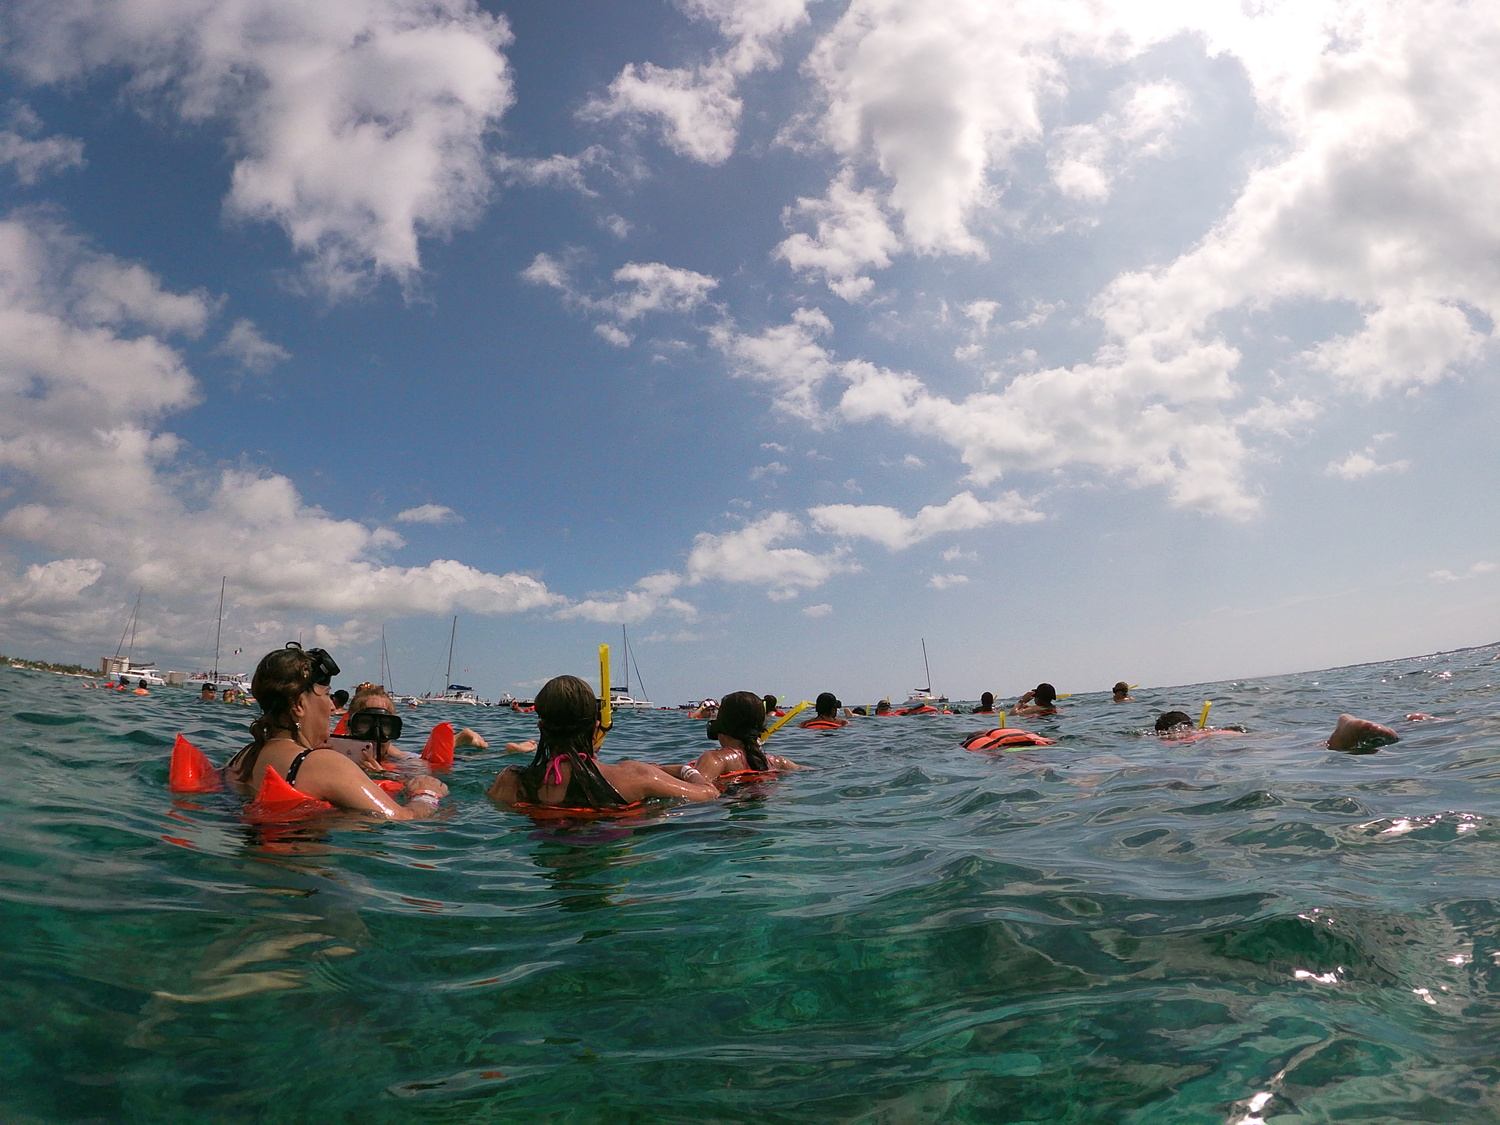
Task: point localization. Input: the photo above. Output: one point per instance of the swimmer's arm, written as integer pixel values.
(780, 763)
(638, 780)
(339, 781)
(526, 747)
(467, 737)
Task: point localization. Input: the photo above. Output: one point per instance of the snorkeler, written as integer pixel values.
(986, 704)
(1040, 700)
(291, 686)
(1120, 693)
(1350, 733)
(827, 717)
(739, 726)
(566, 772)
(372, 729)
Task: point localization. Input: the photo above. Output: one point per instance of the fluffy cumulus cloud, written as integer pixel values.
(30, 155)
(358, 127)
(896, 532)
(651, 595)
(1085, 159)
(90, 368)
(851, 236)
(640, 288)
(1474, 570)
(752, 555)
(788, 358)
(1365, 462)
(251, 350)
(697, 108)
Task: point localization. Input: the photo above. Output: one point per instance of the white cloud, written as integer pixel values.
(698, 108)
(87, 374)
(1084, 160)
(947, 581)
(654, 287)
(253, 351)
(653, 594)
(958, 554)
(31, 157)
(1473, 571)
(429, 513)
(612, 334)
(787, 357)
(896, 532)
(852, 236)
(822, 609)
(770, 469)
(1357, 465)
(751, 556)
(357, 127)
(1410, 344)
(551, 171)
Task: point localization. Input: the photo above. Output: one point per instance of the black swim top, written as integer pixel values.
(291, 770)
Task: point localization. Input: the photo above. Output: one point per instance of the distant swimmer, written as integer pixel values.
(373, 728)
(1178, 726)
(706, 709)
(771, 708)
(739, 726)
(207, 694)
(566, 772)
(1121, 693)
(1040, 700)
(291, 686)
(884, 707)
(827, 717)
(986, 704)
(1353, 734)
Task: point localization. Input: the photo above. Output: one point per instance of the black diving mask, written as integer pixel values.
(375, 726)
(324, 667)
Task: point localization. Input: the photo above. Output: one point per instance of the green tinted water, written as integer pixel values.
(1111, 929)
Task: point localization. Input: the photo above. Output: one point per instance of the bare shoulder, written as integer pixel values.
(504, 787)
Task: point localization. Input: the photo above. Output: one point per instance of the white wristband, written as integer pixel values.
(690, 773)
(424, 796)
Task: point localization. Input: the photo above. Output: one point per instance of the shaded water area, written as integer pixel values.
(1113, 928)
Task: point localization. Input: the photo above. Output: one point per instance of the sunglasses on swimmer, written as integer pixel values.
(324, 667)
(375, 726)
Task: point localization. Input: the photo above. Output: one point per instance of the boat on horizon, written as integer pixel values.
(455, 693)
(620, 697)
(923, 696)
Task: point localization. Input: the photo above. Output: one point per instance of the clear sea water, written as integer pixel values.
(1111, 929)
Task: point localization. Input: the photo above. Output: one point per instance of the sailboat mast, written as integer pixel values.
(135, 618)
(219, 630)
(925, 668)
(128, 625)
(625, 645)
(451, 638)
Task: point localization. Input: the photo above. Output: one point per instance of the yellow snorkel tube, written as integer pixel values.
(606, 712)
(788, 717)
(1203, 718)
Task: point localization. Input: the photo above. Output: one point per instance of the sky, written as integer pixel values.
(1076, 341)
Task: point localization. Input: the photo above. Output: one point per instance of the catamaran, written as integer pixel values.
(239, 681)
(126, 669)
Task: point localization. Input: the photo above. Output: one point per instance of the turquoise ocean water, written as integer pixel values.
(1111, 929)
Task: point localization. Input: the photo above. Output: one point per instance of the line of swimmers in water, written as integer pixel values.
(291, 745)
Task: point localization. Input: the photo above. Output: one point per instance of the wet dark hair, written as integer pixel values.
(1121, 688)
(987, 700)
(1046, 694)
(1169, 719)
(340, 697)
(828, 703)
(567, 711)
(280, 679)
(742, 715)
(770, 702)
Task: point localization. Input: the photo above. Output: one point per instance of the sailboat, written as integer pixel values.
(620, 696)
(236, 680)
(127, 669)
(455, 693)
(922, 696)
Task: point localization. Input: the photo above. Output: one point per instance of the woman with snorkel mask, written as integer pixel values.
(372, 726)
(292, 687)
(566, 772)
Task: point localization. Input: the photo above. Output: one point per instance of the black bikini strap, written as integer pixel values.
(291, 770)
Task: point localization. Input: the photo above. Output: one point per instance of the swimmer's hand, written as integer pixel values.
(425, 785)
